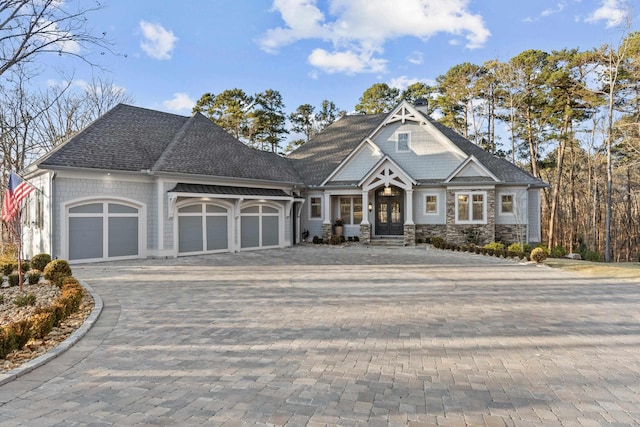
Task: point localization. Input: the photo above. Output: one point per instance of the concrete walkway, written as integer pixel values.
(343, 336)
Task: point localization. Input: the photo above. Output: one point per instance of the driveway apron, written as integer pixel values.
(318, 335)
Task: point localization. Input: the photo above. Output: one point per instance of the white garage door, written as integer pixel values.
(103, 230)
(203, 228)
(260, 227)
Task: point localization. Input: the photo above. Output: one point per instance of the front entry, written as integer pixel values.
(389, 211)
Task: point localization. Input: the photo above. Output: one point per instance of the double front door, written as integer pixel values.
(389, 211)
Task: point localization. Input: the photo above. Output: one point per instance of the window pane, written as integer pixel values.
(215, 209)
(478, 207)
(432, 204)
(250, 237)
(357, 210)
(217, 233)
(123, 236)
(191, 209)
(269, 210)
(85, 238)
(117, 208)
(190, 234)
(403, 142)
(463, 207)
(316, 207)
(270, 231)
(382, 213)
(90, 208)
(507, 203)
(252, 209)
(345, 210)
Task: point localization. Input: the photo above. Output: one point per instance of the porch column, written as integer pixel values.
(409, 208)
(327, 208)
(365, 207)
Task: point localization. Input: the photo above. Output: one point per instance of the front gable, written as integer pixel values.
(471, 169)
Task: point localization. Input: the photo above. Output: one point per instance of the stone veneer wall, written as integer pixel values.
(455, 231)
(327, 230)
(365, 233)
(409, 235)
(428, 231)
(511, 233)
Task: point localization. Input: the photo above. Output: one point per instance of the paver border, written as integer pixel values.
(63, 346)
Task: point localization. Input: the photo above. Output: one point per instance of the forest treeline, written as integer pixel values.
(569, 117)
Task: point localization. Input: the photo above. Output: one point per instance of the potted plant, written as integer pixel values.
(339, 226)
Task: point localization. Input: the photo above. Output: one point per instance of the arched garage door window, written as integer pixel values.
(202, 227)
(101, 230)
(260, 226)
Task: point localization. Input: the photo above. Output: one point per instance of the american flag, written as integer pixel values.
(17, 191)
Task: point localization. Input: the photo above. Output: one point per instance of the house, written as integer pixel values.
(142, 183)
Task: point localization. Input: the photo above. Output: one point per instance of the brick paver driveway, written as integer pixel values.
(343, 336)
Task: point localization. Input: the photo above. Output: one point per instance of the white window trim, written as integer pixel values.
(315, 218)
(513, 202)
(484, 207)
(437, 196)
(398, 150)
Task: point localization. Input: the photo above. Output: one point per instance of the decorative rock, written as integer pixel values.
(574, 256)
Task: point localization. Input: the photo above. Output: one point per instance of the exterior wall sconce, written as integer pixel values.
(370, 207)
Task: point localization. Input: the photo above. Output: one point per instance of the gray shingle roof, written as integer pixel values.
(126, 138)
(227, 190)
(504, 170)
(316, 159)
(130, 138)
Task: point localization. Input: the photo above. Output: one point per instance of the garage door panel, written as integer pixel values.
(270, 231)
(85, 238)
(190, 234)
(217, 233)
(123, 237)
(250, 232)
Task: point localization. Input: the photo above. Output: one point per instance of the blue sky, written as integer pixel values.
(310, 50)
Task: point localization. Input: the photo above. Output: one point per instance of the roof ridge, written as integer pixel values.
(174, 142)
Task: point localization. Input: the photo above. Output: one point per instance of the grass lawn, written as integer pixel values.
(621, 270)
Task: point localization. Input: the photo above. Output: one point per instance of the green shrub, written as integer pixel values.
(593, 256)
(317, 240)
(519, 247)
(496, 246)
(14, 336)
(13, 279)
(8, 267)
(42, 323)
(34, 276)
(1, 299)
(25, 300)
(56, 271)
(538, 255)
(558, 252)
(40, 261)
(438, 242)
(544, 248)
(26, 266)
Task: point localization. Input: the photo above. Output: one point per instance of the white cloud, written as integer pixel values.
(158, 42)
(416, 57)
(559, 8)
(358, 29)
(347, 62)
(181, 102)
(404, 82)
(63, 40)
(611, 11)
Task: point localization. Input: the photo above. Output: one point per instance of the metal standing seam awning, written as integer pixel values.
(227, 192)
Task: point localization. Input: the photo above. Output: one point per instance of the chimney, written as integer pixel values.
(422, 105)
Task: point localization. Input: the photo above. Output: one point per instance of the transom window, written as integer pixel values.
(315, 207)
(404, 143)
(471, 207)
(506, 204)
(431, 203)
(351, 210)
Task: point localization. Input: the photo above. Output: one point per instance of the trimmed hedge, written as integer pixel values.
(15, 335)
(56, 271)
(40, 261)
